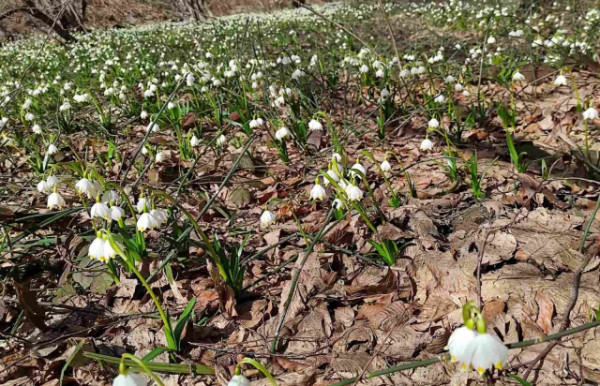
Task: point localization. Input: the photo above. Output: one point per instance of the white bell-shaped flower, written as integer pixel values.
(194, 141)
(315, 125)
(334, 176)
(131, 379)
(116, 213)
(358, 167)
(560, 80)
(97, 251)
(267, 218)
(100, 210)
(486, 352)
(55, 200)
(221, 140)
(426, 144)
(337, 157)
(52, 149)
(457, 344)
(147, 221)
(337, 203)
(354, 192)
(142, 204)
(317, 192)
(160, 215)
(160, 157)
(518, 77)
(42, 187)
(51, 182)
(237, 380)
(385, 166)
(84, 186)
(110, 197)
(590, 113)
(282, 133)
(434, 123)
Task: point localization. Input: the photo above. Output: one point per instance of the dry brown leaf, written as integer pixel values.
(544, 318)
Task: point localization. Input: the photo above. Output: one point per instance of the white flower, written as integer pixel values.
(144, 115)
(457, 344)
(358, 167)
(449, 79)
(466, 93)
(146, 221)
(337, 157)
(426, 144)
(37, 129)
(55, 200)
(65, 107)
(3, 122)
(42, 186)
(171, 105)
(131, 379)
(221, 140)
(518, 77)
(267, 218)
(282, 133)
(160, 157)
(100, 210)
(354, 193)
(434, 123)
(317, 192)
(160, 215)
(486, 352)
(560, 80)
(314, 125)
(491, 40)
(385, 166)
(52, 149)
(142, 204)
(337, 203)
(110, 196)
(84, 186)
(380, 73)
(97, 250)
(190, 79)
(51, 182)
(458, 87)
(29, 117)
(147, 94)
(116, 213)
(364, 69)
(334, 176)
(194, 141)
(440, 99)
(255, 123)
(153, 126)
(590, 113)
(238, 380)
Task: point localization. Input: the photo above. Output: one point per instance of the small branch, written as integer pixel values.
(574, 293)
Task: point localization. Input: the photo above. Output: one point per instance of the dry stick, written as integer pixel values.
(446, 357)
(149, 129)
(288, 301)
(574, 293)
(387, 336)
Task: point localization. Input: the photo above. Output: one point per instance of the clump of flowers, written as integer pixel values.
(475, 348)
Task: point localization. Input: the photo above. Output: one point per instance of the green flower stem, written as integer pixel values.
(177, 368)
(205, 239)
(163, 316)
(446, 357)
(143, 366)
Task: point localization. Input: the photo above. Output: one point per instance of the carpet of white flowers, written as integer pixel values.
(374, 193)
